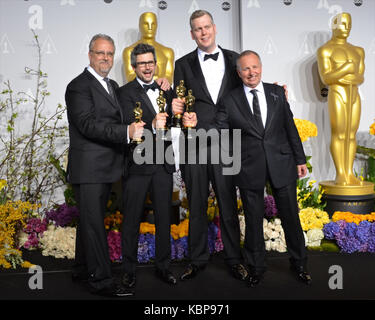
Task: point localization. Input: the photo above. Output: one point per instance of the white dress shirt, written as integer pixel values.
(262, 100)
(213, 71)
(98, 77)
(152, 95)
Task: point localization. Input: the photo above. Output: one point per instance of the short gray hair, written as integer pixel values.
(247, 53)
(101, 36)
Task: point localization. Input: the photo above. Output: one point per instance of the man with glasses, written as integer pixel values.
(98, 134)
(153, 177)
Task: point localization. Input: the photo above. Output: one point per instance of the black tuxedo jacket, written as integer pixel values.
(97, 132)
(127, 96)
(279, 150)
(188, 69)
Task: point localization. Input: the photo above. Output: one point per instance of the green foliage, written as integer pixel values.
(308, 195)
(26, 148)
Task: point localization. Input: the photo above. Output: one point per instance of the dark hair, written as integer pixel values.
(141, 48)
(199, 13)
(100, 36)
(247, 53)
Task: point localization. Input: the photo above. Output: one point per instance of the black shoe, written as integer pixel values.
(166, 276)
(254, 279)
(190, 272)
(114, 291)
(77, 277)
(128, 280)
(302, 274)
(239, 271)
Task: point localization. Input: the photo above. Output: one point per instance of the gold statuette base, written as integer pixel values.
(330, 187)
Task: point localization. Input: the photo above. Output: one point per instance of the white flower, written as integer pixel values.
(314, 237)
(59, 242)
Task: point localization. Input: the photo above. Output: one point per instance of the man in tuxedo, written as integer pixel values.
(155, 177)
(98, 135)
(210, 72)
(271, 150)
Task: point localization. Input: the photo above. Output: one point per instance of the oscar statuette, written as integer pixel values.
(161, 101)
(180, 91)
(189, 101)
(138, 112)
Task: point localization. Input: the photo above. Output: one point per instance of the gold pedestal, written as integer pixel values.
(330, 187)
(354, 199)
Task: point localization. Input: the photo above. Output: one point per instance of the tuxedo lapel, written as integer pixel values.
(198, 74)
(243, 106)
(97, 85)
(272, 100)
(227, 59)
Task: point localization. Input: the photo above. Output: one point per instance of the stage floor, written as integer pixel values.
(214, 283)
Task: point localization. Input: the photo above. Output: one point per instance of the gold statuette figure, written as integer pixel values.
(180, 92)
(341, 68)
(138, 112)
(165, 56)
(189, 102)
(161, 102)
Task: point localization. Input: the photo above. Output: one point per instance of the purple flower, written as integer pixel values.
(114, 245)
(179, 248)
(63, 215)
(146, 247)
(330, 230)
(270, 206)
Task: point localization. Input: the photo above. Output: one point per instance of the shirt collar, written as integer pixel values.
(259, 88)
(142, 83)
(94, 73)
(202, 53)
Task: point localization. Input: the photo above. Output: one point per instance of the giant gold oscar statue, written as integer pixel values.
(165, 56)
(341, 68)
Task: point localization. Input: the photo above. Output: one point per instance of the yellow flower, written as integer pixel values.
(312, 218)
(146, 227)
(372, 129)
(3, 183)
(306, 129)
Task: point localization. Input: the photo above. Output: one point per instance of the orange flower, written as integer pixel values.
(353, 217)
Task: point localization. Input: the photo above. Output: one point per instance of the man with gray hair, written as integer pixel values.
(98, 135)
(271, 151)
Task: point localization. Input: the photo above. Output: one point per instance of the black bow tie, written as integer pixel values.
(211, 56)
(151, 86)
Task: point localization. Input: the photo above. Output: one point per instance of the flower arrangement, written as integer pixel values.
(313, 218)
(352, 217)
(306, 129)
(59, 242)
(63, 215)
(31, 233)
(146, 241)
(13, 215)
(308, 196)
(270, 208)
(350, 236)
(274, 235)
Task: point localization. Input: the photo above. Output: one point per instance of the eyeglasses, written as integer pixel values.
(102, 54)
(143, 64)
